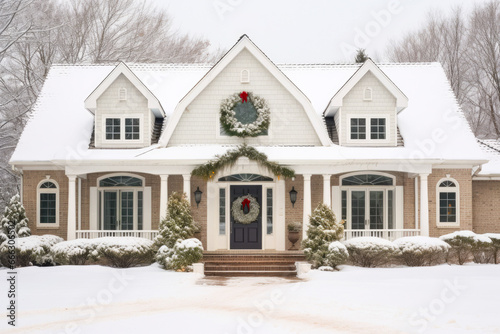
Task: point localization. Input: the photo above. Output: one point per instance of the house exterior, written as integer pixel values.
(385, 146)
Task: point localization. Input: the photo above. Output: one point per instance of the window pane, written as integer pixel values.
(132, 128)
(121, 181)
(447, 207)
(377, 128)
(112, 128)
(47, 208)
(367, 179)
(222, 211)
(358, 128)
(390, 209)
(269, 211)
(344, 205)
(139, 210)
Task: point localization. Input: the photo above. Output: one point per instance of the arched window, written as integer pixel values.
(121, 181)
(367, 94)
(48, 204)
(246, 178)
(448, 199)
(367, 180)
(245, 76)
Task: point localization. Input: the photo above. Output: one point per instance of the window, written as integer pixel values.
(448, 201)
(113, 129)
(121, 181)
(377, 128)
(246, 178)
(132, 129)
(222, 211)
(358, 128)
(269, 211)
(367, 180)
(367, 94)
(245, 76)
(123, 94)
(48, 204)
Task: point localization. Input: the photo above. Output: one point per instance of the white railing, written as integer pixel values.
(390, 234)
(91, 234)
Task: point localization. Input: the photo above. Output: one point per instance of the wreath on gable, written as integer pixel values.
(244, 115)
(245, 202)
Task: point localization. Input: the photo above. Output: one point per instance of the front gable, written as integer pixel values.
(245, 68)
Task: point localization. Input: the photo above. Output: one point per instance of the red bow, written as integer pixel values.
(246, 202)
(244, 97)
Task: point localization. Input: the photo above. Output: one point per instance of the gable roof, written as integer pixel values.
(153, 104)
(244, 43)
(368, 66)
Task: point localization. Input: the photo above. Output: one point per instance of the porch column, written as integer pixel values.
(187, 186)
(163, 196)
(327, 199)
(424, 205)
(71, 207)
(307, 203)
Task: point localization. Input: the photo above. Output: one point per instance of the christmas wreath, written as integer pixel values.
(238, 209)
(244, 115)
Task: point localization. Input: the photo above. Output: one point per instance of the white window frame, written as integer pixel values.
(122, 139)
(368, 140)
(455, 190)
(370, 91)
(40, 191)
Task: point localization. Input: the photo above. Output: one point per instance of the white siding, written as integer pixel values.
(109, 104)
(290, 125)
(382, 103)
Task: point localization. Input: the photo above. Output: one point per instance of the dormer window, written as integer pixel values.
(113, 128)
(245, 76)
(358, 128)
(368, 130)
(367, 94)
(377, 128)
(132, 128)
(124, 129)
(123, 94)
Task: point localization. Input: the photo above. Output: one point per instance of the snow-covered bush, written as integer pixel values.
(14, 220)
(495, 245)
(467, 245)
(124, 252)
(337, 254)
(178, 224)
(75, 252)
(422, 251)
(323, 230)
(371, 251)
(32, 250)
(183, 254)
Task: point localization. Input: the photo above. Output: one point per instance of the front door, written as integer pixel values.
(367, 209)
(246, 236)
(118, 213)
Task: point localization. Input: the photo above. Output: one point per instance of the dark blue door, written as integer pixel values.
(246, 236)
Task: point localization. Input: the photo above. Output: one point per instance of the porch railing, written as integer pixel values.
(91, 234)
(389, 234)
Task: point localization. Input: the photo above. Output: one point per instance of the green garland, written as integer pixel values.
(208, 170)
(233, 127)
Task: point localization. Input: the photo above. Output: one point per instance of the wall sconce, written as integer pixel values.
(197, 196)
(293, 196)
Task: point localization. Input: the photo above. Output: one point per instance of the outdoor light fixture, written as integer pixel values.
(197, 196)
(293, 196)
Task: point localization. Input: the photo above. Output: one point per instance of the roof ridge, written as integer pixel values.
(483, 142)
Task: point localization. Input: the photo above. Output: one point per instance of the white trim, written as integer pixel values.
(455, 190)
(143, 179)
(370, 173)
(368, 140)
(93, 208)
(40, 191)
(122, 141)
(245, 44)
(91, 100)
(368, 66)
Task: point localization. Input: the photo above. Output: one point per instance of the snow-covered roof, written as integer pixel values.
(491, 149)
(433, 127)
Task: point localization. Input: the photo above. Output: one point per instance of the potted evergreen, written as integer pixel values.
(294, 233)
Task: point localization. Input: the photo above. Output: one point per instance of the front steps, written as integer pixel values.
(248, 263)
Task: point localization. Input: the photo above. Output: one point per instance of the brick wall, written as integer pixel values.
(293, 214)
(30, 183)
(200, 213)
(409, 201)
(486, 206)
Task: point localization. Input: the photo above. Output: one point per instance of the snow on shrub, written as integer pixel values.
(336, 255)
(421, 251)
(495, 245)
(74, 252)
(183, 254)
(370, 251)
(14, 223)
(124, 252)
(466, 245)
(32, 250)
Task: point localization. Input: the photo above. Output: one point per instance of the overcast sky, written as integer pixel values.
(305, 31)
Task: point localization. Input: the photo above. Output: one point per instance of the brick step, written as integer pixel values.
(253, 258)
(251, 273)
(249, 267)
(250, 261)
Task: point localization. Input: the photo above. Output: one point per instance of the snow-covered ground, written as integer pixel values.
(95, 299)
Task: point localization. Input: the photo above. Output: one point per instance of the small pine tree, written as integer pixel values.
(178, 224)
(323, 230)
(14, 213)
(361, 56)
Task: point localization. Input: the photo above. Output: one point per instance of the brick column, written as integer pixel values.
(187, 186)
(163, 196)
(327, 190)
(424, 205)
(71, 207)
(307, 203)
